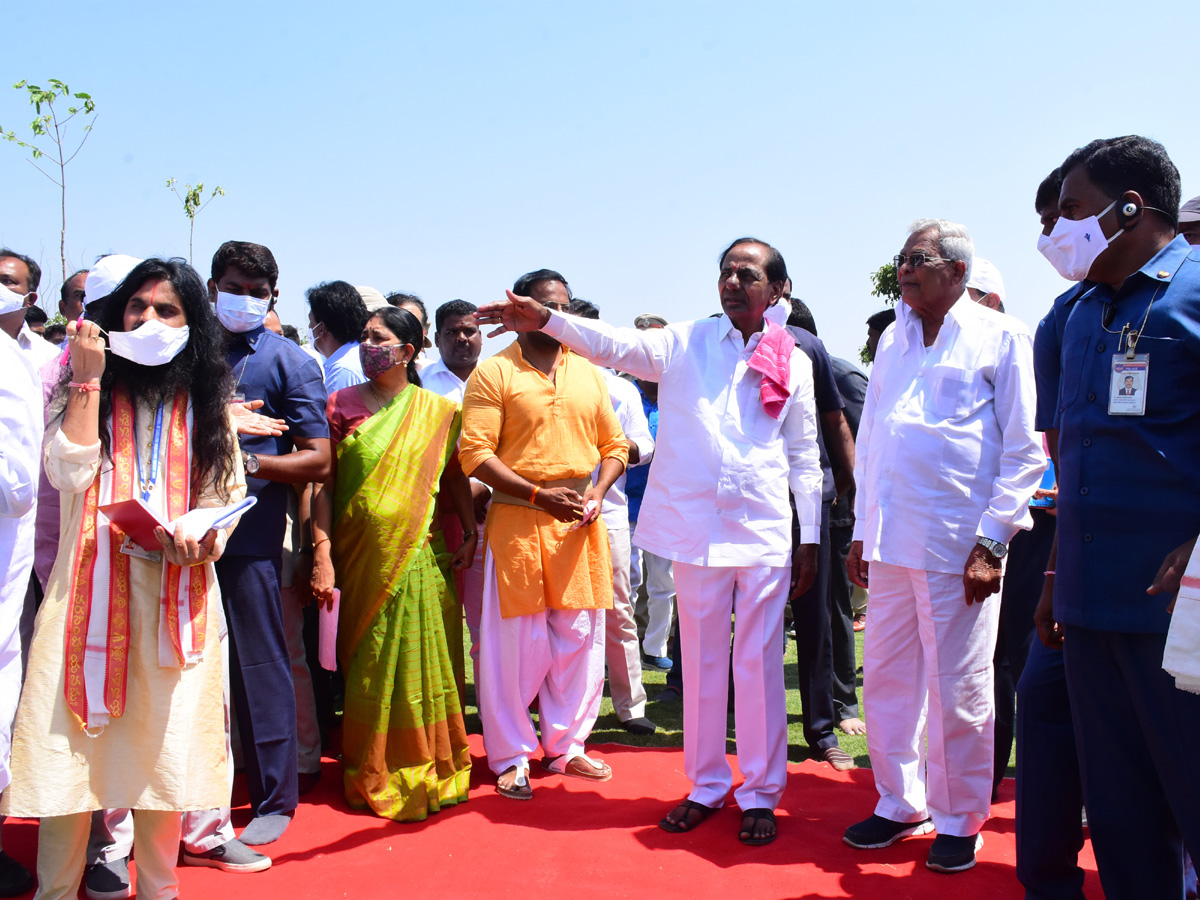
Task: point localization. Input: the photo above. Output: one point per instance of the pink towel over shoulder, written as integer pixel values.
(773, 358)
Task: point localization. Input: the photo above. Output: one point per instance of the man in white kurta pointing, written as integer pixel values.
(737, 426)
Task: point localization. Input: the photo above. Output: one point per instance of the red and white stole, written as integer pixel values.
(97, 634)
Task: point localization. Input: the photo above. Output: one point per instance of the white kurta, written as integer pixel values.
(20, 448)
(167, 752)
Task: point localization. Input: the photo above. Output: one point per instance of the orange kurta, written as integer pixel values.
(544, 430)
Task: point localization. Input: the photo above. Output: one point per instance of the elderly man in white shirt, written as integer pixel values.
(731, 440)
(947, 461)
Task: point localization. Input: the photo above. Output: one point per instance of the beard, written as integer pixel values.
(152, 384)
(542, 340)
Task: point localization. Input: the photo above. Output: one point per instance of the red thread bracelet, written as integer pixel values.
(86, 388)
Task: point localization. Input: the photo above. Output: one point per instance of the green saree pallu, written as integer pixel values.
(404, 745)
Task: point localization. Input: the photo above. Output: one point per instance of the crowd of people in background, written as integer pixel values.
(213, 535)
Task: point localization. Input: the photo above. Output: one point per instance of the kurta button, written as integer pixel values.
(1087, 442)
(1091, 398)
(1099, 348)
(1083, 491)
(1087, 538)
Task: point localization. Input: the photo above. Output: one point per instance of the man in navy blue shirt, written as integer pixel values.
(1128, 504)
(272, 369)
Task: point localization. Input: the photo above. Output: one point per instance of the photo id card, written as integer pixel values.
(130, 548)
(1127, 385)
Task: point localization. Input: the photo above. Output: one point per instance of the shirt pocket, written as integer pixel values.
(949, 391)
(1170, 369)
(1074, 357)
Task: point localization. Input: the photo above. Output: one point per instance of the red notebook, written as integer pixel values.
(137, 520)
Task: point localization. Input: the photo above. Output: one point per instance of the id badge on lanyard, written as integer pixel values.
(1127, 384)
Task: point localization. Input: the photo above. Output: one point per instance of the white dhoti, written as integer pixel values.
(755, 596)
(555, 655)
(621, 650)
(927, 663)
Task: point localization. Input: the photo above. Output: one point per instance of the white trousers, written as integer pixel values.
(755, 596)
(621, 650)
(557, 656)
(308, 732)
(656, 572)
(927, 670)
(62, 844)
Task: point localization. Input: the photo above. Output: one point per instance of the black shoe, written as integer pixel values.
(951, 853)
(107, 881)
(876, 832)
(640, 725)
(15, 879)
(669, 694)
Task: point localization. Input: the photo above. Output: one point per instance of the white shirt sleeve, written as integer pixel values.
(1022, 459)
(799, 430)
(643, 354)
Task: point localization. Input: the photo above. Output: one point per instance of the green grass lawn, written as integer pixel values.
(669, 716)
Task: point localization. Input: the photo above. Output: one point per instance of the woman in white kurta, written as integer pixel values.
(159, 746)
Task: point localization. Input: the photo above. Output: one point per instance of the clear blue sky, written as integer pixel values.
(446, 148)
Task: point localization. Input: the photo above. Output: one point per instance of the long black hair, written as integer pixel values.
(407, 328)
(200, 368)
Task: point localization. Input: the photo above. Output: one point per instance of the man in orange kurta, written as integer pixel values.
(536, 421)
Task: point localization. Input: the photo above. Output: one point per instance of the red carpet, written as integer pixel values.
(600, 841)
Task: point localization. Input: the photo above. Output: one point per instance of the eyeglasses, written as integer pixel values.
(916, 260)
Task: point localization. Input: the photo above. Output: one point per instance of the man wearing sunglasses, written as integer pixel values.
(947, 461)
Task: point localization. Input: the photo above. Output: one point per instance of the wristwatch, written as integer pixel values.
(250, 462)
(995, 548)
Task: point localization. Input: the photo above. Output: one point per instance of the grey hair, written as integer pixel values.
(953, 240)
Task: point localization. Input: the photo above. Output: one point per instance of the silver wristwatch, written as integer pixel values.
(995, 548)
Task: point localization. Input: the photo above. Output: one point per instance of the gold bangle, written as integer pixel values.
(317, 544)
(533, 496)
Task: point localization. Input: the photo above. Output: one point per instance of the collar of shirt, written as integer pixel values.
(1161, 267)
(909, 324)
(439, 367)
(336, 355)
(252, 337)
(566, 351)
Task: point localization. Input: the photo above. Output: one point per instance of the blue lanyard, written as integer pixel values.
(148, 485)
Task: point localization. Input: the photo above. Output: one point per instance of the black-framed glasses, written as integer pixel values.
(916, 260)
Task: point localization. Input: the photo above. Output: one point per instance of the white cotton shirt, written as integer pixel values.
(438, 378)
(627, 404)
(718, 487)
(20, 466)
(35, 347)
(946, 449)
(343, 368)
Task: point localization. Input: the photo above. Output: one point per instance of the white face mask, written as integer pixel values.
(1073, 245)
(10, 300)
(152, 344)
(312, 337)
(240, 313)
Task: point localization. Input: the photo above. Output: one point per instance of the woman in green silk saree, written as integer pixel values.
(404, 745)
